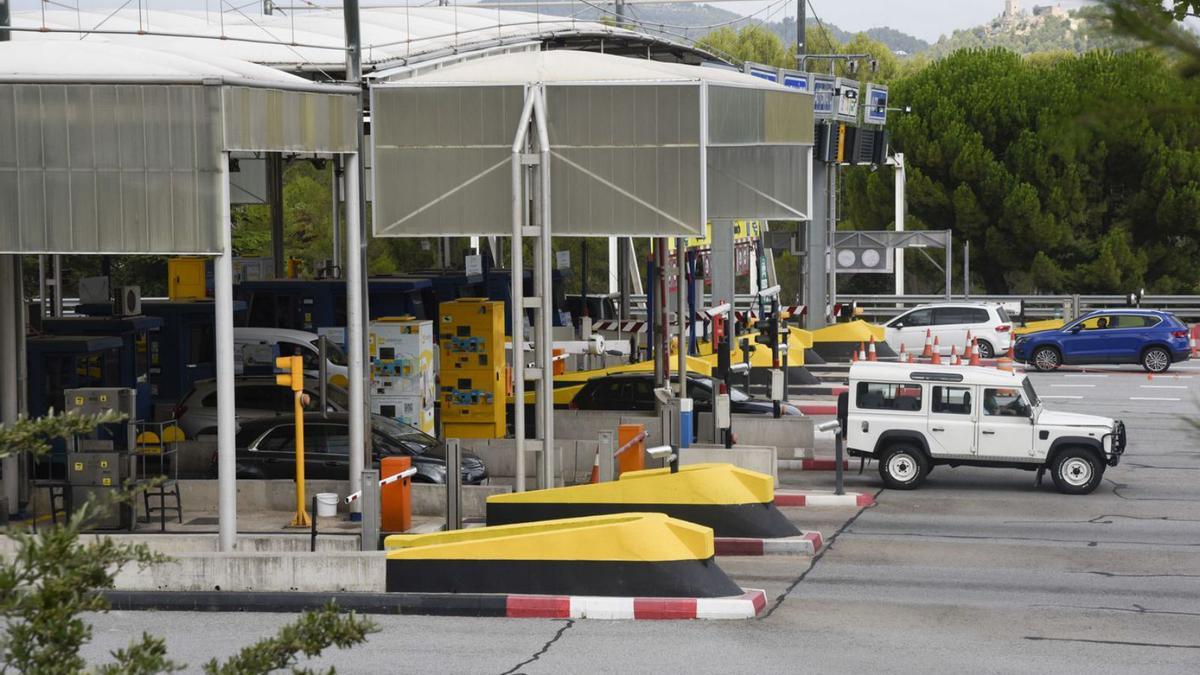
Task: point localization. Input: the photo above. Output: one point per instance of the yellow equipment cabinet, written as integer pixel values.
(471, 372)
(186, 278)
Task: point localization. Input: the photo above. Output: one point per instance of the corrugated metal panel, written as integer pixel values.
(289, 121)
(109, 168)
(442, 159)
(625, 159)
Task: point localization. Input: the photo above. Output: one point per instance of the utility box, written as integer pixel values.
(402, 374)
(187, 278)
(473, 385)
(97, 472)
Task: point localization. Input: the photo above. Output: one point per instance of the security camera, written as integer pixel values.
(739, 368)
(713, 312)
(770, 292)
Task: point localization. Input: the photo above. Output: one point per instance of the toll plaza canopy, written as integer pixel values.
(114, 149)
(638, 147)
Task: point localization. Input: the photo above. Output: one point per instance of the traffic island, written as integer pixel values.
(836, 342)
(625, 555)
(733, 502)
(806, 544)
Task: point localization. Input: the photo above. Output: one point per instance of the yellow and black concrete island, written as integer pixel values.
(734, 502)
(838, 341)
(627, 554)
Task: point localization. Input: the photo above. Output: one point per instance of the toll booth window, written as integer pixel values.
(202, 345)
(1004, 403)
(888, 396)
(951, 400)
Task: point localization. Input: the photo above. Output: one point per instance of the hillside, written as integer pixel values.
(1077, 31)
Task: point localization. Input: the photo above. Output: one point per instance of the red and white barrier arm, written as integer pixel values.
(407, 473)
(630, 443)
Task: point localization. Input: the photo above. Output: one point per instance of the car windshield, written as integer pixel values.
(333, 351)
(414, 439)
(1030, 393)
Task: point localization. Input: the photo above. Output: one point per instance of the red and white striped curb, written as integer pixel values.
(812, 464)
(822, 499)
(745, 606)
(806, 544)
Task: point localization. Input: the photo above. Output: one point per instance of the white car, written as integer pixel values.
(950, 322)
(254, 397)
(258, 347)
(912, 417)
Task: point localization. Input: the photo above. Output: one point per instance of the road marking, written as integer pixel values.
(1163, 386)
(1152, 398)
(1072, 386)
(1049, 396)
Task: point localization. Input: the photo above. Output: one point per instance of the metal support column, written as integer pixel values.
(355, 333)
(275, 210)
(520, 148)
(816, 251)
(337, 217)
(721, 264)
(543, 286)
(226, 405)
(831, 177)
(898, 160)
(12, 329)
(56, 307)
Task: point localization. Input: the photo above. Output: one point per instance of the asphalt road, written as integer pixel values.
(979, 570)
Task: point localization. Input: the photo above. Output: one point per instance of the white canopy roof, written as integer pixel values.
(314, 40)
(561, 67)
(98, 62)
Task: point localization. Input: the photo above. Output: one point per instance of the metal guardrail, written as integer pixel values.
(883, 307)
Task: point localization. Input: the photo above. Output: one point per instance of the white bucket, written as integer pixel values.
(327, 503)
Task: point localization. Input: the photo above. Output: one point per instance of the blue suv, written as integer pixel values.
(1150, 338)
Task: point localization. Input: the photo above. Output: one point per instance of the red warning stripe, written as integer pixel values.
(664, 608)
(539, 606)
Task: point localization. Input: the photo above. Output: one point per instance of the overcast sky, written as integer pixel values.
(926, 19)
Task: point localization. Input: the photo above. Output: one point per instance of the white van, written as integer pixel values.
(258, 347)
(912, 417)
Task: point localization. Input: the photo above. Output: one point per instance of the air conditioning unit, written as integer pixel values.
(128, 302)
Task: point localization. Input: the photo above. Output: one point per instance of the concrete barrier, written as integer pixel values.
(280, 495)
(326, 572)
(204, 542)
(792, 435)
(755, 458)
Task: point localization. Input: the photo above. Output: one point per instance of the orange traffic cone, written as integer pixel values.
(954, 360)
(974, 358)
(596, 468)
(853, 355)
(928, 351)
(937, 353)
(903, 354)
(871, 350)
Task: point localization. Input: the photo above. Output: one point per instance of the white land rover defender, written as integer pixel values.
(912, 417)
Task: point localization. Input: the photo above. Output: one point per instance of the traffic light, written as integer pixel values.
(293, 372)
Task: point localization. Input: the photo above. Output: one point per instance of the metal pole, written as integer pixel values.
(583, 277)
(681, 336)
(949, 258)
(967, 269)
(43, 306)
(830, 250)
(545, 395)
(517, 291)
(56, 264)
(10, 406)
(899, 216)
(5, 20)
(226, 405)
(801, 30)
(275, 208)
(355, 333)
(323, 373)
(839, 488)
(453, 484)
(337, 216)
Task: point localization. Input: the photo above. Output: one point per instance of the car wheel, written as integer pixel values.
(986, 351)
(1077, 471)
(903, 467)
(1156, 360)
(1046, 359)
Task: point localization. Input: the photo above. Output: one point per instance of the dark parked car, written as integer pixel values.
(635, 391)
(1149, 338)
(266, 449)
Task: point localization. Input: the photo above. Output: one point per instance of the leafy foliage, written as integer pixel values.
(1066, 173)
(54, 577)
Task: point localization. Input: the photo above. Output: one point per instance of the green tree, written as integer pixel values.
(53, 578)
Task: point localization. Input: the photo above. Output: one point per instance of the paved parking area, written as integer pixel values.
(978, 570)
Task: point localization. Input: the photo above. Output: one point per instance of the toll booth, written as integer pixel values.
(311, 305)
(60, 362)
(498, 284)
(182, 351)
(135, 333)
(449, 286)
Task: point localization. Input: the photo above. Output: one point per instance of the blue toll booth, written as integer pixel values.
(498, 286)
(310, 305)
(135, 333)
(183, 350)
(60, 362)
